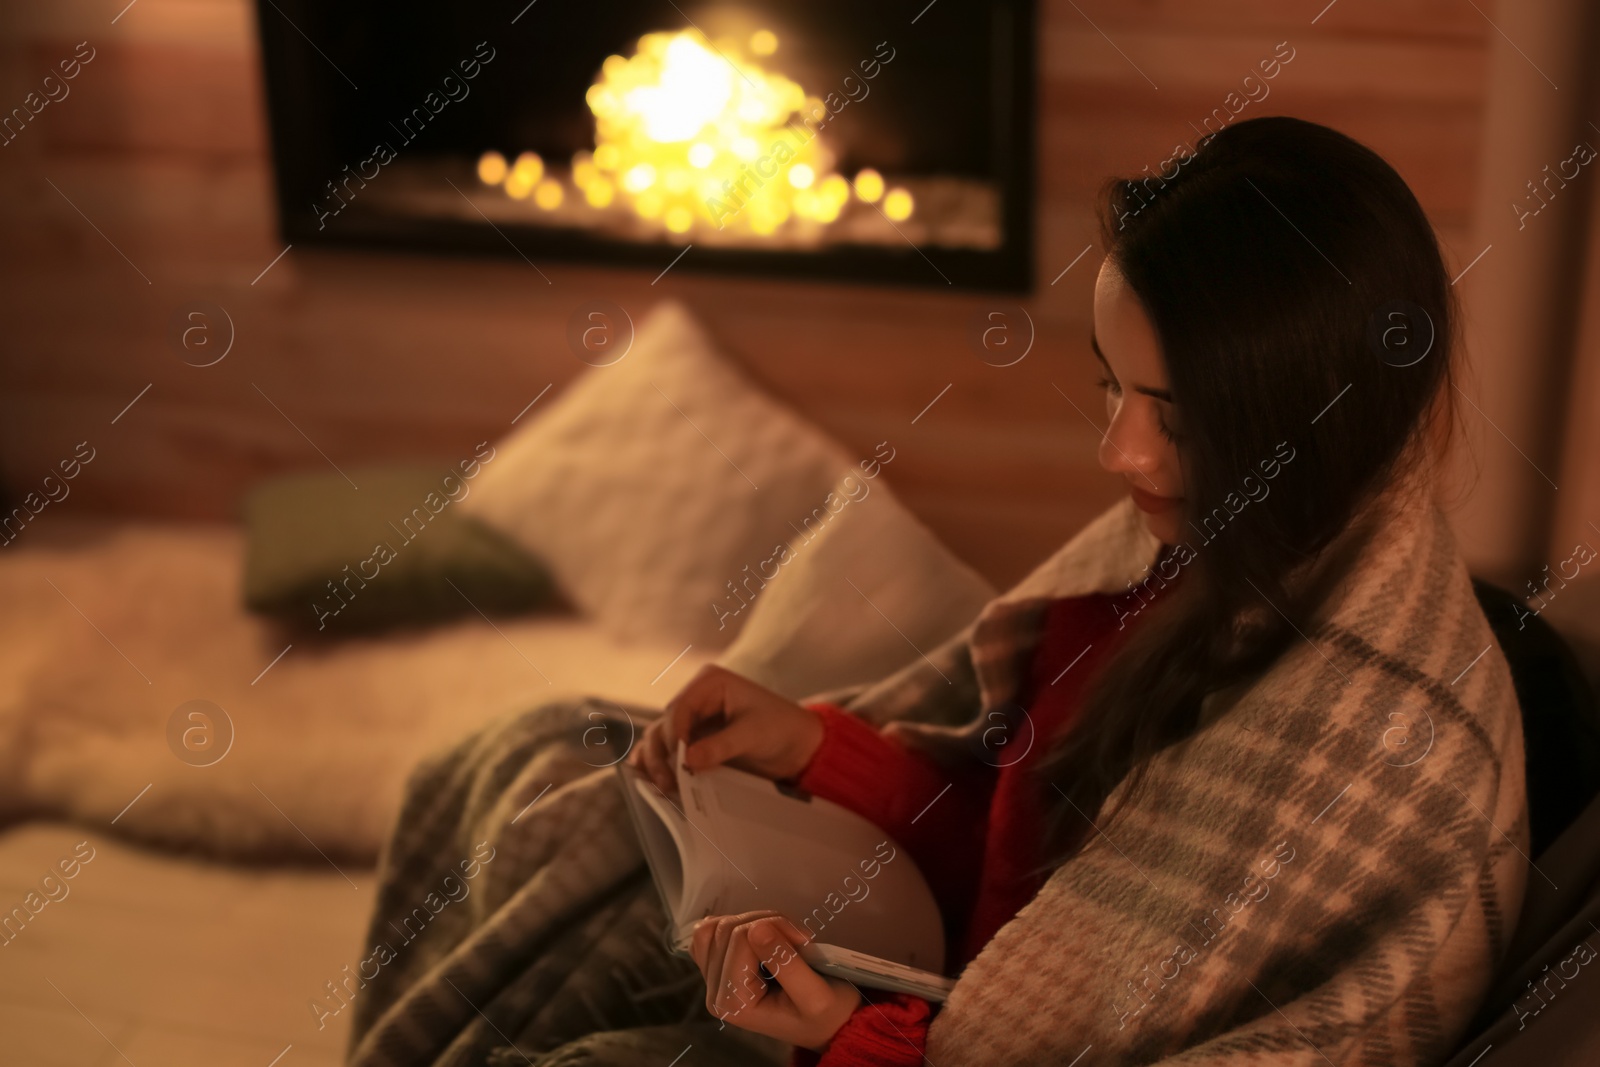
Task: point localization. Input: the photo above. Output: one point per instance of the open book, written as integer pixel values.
(732, 842)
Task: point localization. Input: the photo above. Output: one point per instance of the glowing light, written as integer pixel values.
(639, 178)
(869, 185)
(519, 184)
(548, 195)
(528, 168)
(678, 219)
(898, 205)
(583, 170)
(692, 134)
(491, 168)
(835, 190)
(693, 87)
(599, 192)
(650, 204)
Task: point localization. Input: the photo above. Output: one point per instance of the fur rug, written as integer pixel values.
(110, 628)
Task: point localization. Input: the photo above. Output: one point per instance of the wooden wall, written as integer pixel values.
(162, 145)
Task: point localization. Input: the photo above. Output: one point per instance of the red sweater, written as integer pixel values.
(975, 835)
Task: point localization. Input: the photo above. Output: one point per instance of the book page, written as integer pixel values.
(662, 833)
(829, 871)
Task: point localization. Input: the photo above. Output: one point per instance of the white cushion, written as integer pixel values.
(649, 484)
(854, 601)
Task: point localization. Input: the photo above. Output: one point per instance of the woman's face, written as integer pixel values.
(1139, 444)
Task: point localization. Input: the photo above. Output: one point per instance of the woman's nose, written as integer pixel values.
(1126, 449)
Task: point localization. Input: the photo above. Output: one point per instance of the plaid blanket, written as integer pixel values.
(515, 918)
(1326, 872)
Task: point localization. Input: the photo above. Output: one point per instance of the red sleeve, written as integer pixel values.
(890, 1030)
(938, 816)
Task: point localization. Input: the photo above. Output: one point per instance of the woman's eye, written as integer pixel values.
(1110, 386)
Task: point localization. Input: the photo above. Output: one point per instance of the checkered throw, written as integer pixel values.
(1325, 873)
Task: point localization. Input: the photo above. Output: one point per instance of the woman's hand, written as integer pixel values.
(802, 1008)
(727, 718)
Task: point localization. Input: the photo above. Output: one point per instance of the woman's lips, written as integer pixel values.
(1151, 503)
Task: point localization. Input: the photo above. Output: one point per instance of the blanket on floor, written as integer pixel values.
(1326, 872)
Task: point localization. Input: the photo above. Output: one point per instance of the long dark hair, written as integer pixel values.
(1294, 283)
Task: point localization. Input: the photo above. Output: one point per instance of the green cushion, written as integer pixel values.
(333, 559)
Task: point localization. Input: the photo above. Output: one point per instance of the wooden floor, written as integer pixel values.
(162, 962)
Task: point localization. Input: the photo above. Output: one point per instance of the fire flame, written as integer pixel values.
(680, 123)
(693, 134)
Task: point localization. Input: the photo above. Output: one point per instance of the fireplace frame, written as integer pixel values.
(298, 81)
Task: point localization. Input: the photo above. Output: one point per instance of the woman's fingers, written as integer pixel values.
(700, 943)
(794, 934)
(709, 947)
(710, 700)
(736, 953)
(726, 745)
(708, 955)
(659, 766)
(742, 983)
(811, 993)
(654, 759)
(705, 697)
(726, 718)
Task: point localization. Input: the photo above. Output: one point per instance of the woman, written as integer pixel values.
(1237, 773)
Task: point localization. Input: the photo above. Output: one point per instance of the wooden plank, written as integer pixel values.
(203, 102)
(1396, 19)
(1159, 58)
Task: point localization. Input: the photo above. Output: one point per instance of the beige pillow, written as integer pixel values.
(857, 597)
(649, 484)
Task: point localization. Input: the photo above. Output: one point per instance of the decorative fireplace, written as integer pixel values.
(887, 142)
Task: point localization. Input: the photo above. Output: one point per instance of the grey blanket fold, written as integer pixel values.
(515, 920)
